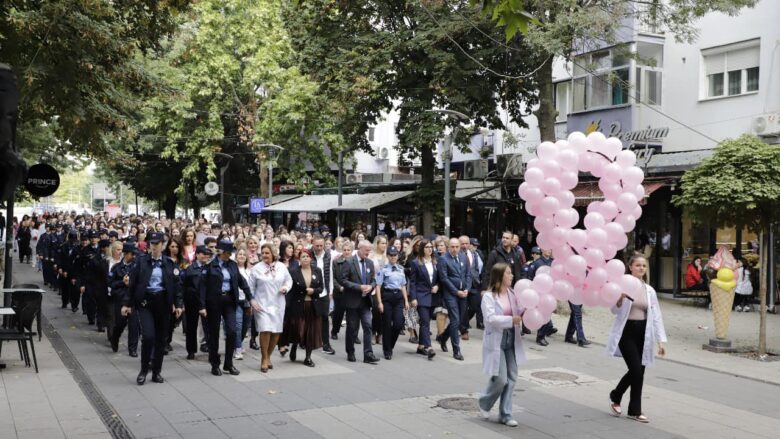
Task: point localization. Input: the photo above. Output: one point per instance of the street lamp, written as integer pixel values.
(224, 168)
(271, 151)
(460, 117)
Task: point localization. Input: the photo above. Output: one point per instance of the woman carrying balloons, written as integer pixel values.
(502, 345)
(638, 323)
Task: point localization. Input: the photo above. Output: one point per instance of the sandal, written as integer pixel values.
(616, 411)
(640, 418)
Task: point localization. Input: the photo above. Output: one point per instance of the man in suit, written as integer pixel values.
(154, 292)
(358, 281)
(323, 261)
(455, 276)
(477, 263)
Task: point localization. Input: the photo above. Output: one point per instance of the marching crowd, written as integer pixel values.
(281, 290)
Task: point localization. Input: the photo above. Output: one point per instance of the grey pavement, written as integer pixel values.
(561, 392)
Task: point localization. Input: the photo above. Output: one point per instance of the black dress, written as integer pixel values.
(302, 325)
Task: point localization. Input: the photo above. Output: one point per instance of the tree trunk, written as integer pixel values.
(762, 289)
(195, 202)
(428, 162)
(545, 114)
(169, 205)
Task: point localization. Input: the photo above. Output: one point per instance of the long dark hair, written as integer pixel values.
(421, 251)
(497, 277)
(179, 258)
(283, 250)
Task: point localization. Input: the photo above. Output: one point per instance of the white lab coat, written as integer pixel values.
(265, 286)
(495, 323)
(654, 331)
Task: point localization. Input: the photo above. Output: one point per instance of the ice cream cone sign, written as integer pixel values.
(722, 289)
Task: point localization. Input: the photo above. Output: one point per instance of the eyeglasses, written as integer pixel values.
(428, 246)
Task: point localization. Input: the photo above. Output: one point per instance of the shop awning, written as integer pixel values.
(676, 162)
(477, 190)
(588, 192)
(368, 202)
(281, 198)
(305, 203)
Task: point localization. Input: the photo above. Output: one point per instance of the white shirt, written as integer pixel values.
(429, 267)
(264, 282)
(321, 266)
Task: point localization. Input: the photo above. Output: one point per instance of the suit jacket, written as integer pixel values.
(351, 281)
(476, 271)
(297, 293)
(420, 284)
(454, 273)
(116, 280)
(139, 280)
(210, 286)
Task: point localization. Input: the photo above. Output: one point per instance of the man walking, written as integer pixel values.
(456, 281)
(323, 260)
(505, 252)
(359, 281)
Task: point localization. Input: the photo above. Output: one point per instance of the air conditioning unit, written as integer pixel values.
(510, 166)
(475, 169)
(767, 124)
(354, 178)
(382, 153)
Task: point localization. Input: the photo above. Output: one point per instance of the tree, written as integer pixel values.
(412, 56)
(738, 186)
(563, 27)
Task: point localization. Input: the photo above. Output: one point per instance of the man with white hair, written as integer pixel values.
(358, 281)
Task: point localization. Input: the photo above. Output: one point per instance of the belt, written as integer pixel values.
(225, 292)
(389, 290)
(154, 293)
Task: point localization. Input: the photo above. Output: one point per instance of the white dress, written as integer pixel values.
(265, 282)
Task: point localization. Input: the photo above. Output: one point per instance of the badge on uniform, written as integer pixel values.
(175, 271)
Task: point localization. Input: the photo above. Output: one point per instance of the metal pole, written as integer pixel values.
(341, 190)
(270, 180)
(9, 247)
(447, 159)
(771, 266)
(136, 203)
(222, 193)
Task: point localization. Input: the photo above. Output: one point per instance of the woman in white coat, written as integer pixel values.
(502, 347)
(269, 282)
(638, 324)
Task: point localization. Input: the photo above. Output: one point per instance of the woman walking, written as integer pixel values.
(243, 309)
(302, 325)
(269, 281)
(423, 286)
(502, 345)
(638, 324)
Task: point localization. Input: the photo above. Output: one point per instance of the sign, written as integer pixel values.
(256, 205)
(113, 210)
(211, 188)
(615, 130)
(42, 180)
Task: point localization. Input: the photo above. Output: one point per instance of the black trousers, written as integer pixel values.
(120, 322)
(89, 303)
(325, 321)
(75, 295)
(424, 335)
(338, 313)
(392, 320)
(575, 323)
(191, 318)
(101, 307)
(217, 309)
(475, 309)
(357, 317)
(64, 283)
(153, 317)
(631, 345)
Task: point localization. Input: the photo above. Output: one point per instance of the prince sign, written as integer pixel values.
(42, 180)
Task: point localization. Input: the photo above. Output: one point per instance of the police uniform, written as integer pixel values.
(191, 287)
(64, 260)
(96, 285)
(391, 280)
(88, 300)
(119, 293)
(75, 273)
(153, 293)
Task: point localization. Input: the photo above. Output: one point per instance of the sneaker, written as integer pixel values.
(238, 356)
(747, 309)
(738, 308)
(510, 423)
(484, 413)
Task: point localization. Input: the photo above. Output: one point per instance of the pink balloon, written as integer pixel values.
(543, 283)
(594, 257)
(562, 289)
(612, 147)
(596, 140)
(577, 238)
(577, 139)
(597, 165)
(546, 151)
(575, 265)
(568, 179)
(543, 240)
(610, 293)
(610, 251)
(551, 168)
(558, 236)
(547, 304)
(551, 186)
(597, 276)
(534, 319)
(591, 297)
(630, 285)
(568, 159)
(626, 159)
(627, 222)
(637, 212)
(566, 218)
(626, 201)
(549, 206)
(576, 297)
(594, 220)
(522, 284)
(615, 269)
(593, 207)
(534, 194)
(632, 176)
(611, 190)
(534, 176)
(612, 172)
(596, 237)
(608, 209)
(614, 230)
(543, 224)
(639, 192)
(556, 269)
(566, 199)
(544, 269)
(521, 190)
(533, 208)
(528, 298)
(620, 243)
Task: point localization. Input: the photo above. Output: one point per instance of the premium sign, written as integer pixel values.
(616, 130)
(42, 180)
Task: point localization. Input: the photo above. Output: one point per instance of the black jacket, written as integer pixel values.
(338, 268)
(511, 258)
(297, 294)
(190, 280)
(116, 280)
(351, 281)
(139, 280)
(210, 286)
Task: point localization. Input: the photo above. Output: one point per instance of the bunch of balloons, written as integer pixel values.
(583, 271)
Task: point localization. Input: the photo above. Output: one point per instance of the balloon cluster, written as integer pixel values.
(583, 271)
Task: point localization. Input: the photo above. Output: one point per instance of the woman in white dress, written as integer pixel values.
(269, 281)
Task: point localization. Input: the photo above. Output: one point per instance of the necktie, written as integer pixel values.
(156, 263)
(363, 270)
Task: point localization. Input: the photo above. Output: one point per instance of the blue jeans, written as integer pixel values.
(239, 325)
(503, 384)
(575, 323)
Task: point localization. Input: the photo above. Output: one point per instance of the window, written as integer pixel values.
(653, 86)
(601, 79)
(562, 100)
(620, 87)
(578, 103)
(371, 133)
(731, 70)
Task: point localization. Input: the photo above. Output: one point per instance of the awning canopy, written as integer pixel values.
(477, 190)
(328, 202)
(368, 202)
(281, 198)
(588, 192)
(676, 162)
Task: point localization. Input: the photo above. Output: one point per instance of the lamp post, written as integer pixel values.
(271, 152)
(224, 168)
(447, 156)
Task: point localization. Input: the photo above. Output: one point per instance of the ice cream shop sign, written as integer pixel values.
(630, 138)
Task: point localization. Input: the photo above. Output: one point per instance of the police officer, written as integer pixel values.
(41, 251)
(119, 281)
(218, 300)
(64, 267)
(392, 300)
(96, 284)
(86, 255)
(191, 285)
(154, 292)
(75, 274)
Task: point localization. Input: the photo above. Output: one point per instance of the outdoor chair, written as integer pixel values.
(27, 306)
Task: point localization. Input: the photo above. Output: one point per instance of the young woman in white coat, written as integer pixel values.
(502, 346)
(638, 324)
(270, 281)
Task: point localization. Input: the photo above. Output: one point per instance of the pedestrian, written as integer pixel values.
(219, 293)
(23, 237)
(502, 343)
(119, 279)
(337, 316)
(191, 278)
(474, 299)
(323, 259)
(269, 281)
(693, 276)
(65, 258)
(411, 316)
(302, 324)
(744, 286)
(173, 251)
(379, 258)
(423, 287)
(358, 277)
(455, 280)
(96, 285)
(545, 259)
(392, 300)
(154, 293)
(638, 324)
(505, 252)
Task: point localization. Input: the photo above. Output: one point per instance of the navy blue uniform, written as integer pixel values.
(119, 292)
(390, 279)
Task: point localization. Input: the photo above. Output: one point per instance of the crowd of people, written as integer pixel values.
(281, 290)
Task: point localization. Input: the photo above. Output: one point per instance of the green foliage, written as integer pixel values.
(739, 185)
(508, 14)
